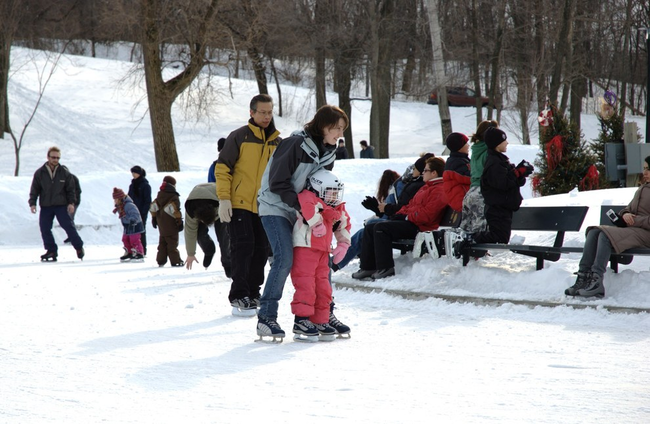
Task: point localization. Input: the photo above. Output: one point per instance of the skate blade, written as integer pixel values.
(344, 336)
(305, 339)
(273, 340)
(48, 259)
(326, 337)
(245, 313)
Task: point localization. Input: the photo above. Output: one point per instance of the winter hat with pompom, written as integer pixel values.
(118, 193)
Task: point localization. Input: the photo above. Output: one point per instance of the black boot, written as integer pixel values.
(49, 256)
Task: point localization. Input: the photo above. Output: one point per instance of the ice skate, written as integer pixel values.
(326, 333)
(342, 330)
(425, 243)
(81, 253)
(49, 256)
(126, 257)
(451, 240)
(304, 330)
(269, 331)
(137, 258)
(243, 308)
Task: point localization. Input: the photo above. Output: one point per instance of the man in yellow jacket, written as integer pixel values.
(238, 172)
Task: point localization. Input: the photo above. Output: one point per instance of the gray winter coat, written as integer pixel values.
(286, 174)
(638, 235)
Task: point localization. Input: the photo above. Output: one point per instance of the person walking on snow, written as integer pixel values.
(140, 194)
(167, 217)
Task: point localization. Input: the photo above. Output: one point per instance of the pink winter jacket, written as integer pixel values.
(314, 210)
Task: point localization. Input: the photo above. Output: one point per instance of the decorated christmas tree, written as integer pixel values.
(564, 161)
(611, 131)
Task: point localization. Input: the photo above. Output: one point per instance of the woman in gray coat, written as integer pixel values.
(603, 240)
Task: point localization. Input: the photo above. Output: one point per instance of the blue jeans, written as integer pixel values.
(596, 252)
(279, 232)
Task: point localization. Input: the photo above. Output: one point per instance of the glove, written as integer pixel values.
(225, 210)
(524, 169)
(319, 230)
(179, 225)
(154, 222)
(371, 204)
(339, 252)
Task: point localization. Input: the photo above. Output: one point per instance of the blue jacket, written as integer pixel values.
(132, 221)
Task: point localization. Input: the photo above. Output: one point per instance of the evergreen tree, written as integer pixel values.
(564, 161)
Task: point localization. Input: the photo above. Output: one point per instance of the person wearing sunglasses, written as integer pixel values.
(54, 188)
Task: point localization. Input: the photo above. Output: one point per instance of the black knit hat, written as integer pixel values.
(455, 141)
(139, 170)
(420, 163)
(493, 137)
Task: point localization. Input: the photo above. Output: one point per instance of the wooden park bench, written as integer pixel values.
(558, 219)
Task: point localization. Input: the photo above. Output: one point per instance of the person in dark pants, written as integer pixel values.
(422, 213)
(201, 212)
(222, 229)
(238, 172)
(140, 193)
(77, 195)
(54, 188)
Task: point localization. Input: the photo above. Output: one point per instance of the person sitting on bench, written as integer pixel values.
(602, 240)
(423, 213)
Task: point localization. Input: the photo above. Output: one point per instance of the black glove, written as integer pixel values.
(154, 222)
(524, 169)
(371, 204)
(179, 225)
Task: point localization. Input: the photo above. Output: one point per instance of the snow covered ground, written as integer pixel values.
(100, 341)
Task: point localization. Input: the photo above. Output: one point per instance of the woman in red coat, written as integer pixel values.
(423, 213)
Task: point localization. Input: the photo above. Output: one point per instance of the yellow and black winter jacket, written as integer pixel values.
(241, 164)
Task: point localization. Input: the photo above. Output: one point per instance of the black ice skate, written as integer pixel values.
(243, 307)
(269, 328)
(304, 330)
(49, 256)
(326, 333)
(81, 253)
(342, 330)
(126, 257)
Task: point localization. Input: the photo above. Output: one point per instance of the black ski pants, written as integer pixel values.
(377, 242)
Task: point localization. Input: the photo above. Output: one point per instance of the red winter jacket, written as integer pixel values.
(427, 208)
(457, 179)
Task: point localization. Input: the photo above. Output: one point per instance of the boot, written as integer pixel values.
(594, 287)
(581, 281)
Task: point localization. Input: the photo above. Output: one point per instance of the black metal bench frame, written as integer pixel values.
(559, 219)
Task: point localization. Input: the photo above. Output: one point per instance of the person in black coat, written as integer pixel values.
(500, 184)
(140, 193)
(341, 151)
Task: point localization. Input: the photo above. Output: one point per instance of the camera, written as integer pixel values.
(616, 220)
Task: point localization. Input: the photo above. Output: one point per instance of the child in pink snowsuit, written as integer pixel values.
(325, 217)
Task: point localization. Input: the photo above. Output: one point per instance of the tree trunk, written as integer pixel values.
(440, 79)
(5, 60)
(562, 45)
(380, 77)
(277, 86)
(343, 78)
(319, 80)
(259, 69)
(474, 65)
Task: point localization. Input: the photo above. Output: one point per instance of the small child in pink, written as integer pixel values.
(132, 221)
(323, 217)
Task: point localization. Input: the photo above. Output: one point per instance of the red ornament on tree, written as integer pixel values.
(590, 180)
(554, 149)
(545, 117)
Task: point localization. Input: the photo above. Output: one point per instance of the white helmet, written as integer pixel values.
(326, 186)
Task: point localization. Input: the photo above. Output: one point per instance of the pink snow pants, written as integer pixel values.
(132, 242)
(310, 276)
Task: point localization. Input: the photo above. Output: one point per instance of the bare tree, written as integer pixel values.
(10, 10)
(440, 77)
(160, 93)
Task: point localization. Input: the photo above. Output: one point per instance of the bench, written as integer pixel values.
(450, 219)
(558, 219)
